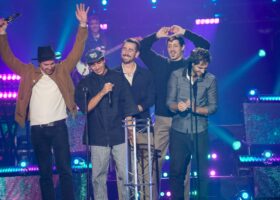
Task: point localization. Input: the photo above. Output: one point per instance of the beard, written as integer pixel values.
(127, 59)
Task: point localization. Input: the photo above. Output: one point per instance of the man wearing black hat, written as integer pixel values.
(109, 101)
(44, 95)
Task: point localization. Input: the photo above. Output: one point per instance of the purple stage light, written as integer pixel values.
(212, 172)
(103, 26)
(214, 156)
(207, 21)
(9, 77)
(8, 95)
(168, 194)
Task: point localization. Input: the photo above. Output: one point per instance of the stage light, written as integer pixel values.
(167, 157)
(253, 95)
(58, 55)
(162, 194)
(103, 26)
(193, 193)
(79, 162)
(8, 95)
(207, 21)
(23, 163)
(195, 173)
(214, 156)
(165, 174)
(243, 195)
(269, 98)
(168, 194)
(104, 2)
(267, 154)
(212, 172)
(253, 92)
(154, 3)
(236, 145)
(262, 53)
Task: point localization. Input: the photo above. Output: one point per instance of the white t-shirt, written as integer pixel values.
(46, 103)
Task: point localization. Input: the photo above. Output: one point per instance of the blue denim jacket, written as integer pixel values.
(179, 90)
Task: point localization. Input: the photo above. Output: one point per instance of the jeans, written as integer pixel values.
(182, 148)
(100, 156)
(44, 140)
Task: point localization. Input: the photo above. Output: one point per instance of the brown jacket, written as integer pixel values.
(30, 75)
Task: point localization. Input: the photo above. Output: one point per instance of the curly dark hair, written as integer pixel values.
(200, 54)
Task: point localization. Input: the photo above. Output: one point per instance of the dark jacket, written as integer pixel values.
(30, 75)
(105, 120)
(142, 89)
(161, 67)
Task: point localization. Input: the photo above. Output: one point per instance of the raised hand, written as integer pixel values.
(177, 30)
(3, 26)
(163, 32)
(81, 13)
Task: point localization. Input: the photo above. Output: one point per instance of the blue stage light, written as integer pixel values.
(262, 53)
(165, 174)
(267, 154)
(245, 195)
(58, 55)
(104, 2)
(253, 92)
(236, 145)
(23, 163)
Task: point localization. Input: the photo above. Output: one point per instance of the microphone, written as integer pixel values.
(110, 98)
(85, 89)
(11, 18)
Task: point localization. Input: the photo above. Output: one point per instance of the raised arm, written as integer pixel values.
(6, 53)
(149, 56)
(197, 40)
(78, 48)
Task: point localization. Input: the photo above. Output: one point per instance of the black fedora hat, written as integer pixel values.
(45, 53)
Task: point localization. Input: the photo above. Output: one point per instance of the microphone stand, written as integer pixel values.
(85, 90)
(193, 94)
(196, 138)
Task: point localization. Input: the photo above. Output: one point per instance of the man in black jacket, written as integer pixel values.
(161, 68)
(143, 92)
(109, 101)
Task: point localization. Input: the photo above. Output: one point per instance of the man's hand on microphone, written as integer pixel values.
(108, 87)
(3, 26)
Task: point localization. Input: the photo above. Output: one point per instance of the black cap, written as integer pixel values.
(93, 56)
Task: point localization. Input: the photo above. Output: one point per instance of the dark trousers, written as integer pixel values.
(44, 139)
(181, 149)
